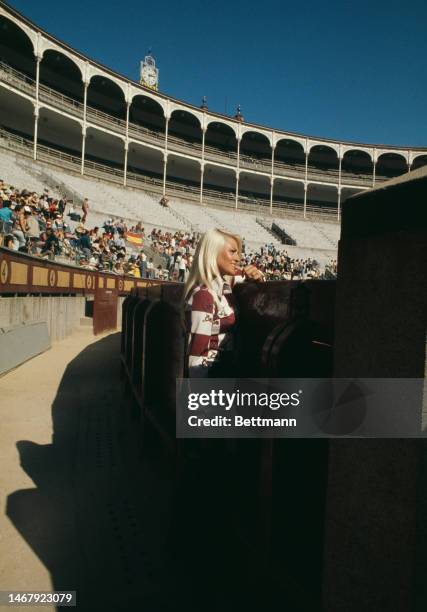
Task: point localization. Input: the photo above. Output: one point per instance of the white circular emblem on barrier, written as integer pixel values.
(89, 281)
(52, 278)
(120, 285)
(4, 271)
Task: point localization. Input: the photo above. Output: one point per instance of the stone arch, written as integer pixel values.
(323, 157)
(146, 112)
(220, 138)
(228, 125)
(262, 133)
(289, 152)
(177, 108)
(419, 161)
(133, 92)
(255, 147)
(62, 74)
(185, 126)
(312, 144)
(356, 161)
(289, 138)
(16, 47)
(347, 148)
(390, 165)
(107, 96)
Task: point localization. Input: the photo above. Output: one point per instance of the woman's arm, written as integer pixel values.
(199, 323)
(252, 273)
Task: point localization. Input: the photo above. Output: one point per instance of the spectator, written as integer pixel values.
(143, 265)
(9, 243)
(85, 210)
(19, 227)
(150, 268)
(51, 246)
(6, 216)
(182, 266)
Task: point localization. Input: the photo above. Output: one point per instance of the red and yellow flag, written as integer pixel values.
(134, 238)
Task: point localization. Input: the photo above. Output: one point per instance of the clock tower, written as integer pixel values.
(149, 74)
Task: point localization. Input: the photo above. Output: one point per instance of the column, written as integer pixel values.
(125, 169)
(306, 167)
(237, 172)
(202, 166)
(305, 199)
(238, 153)
(36, 106)
(273, 148)
(127, 120)
(84, 128)
(165, 165)
(374, 167)
(166, 134)
(36, 124)
(306, 183)
(165, 156)
(82, 169)
(339, 203)
(86, 85)
(38, 60)
(271, 194)
(202, 172)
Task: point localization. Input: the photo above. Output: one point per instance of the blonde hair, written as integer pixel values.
(205, 267)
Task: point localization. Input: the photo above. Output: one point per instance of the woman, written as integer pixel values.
(208, 301)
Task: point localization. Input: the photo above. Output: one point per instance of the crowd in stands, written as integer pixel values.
(42, 225)
(178, 251)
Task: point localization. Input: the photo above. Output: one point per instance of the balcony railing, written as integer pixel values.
(116, 175)
(175, 144)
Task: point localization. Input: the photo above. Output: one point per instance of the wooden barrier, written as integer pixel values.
(153, 356)
(22, 274)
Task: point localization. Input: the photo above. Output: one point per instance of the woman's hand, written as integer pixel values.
(252, 273)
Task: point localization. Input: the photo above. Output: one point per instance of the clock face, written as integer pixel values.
(149, 76)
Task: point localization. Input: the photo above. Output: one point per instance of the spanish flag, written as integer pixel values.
(134, 238)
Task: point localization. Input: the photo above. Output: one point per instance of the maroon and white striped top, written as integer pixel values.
(209, 318)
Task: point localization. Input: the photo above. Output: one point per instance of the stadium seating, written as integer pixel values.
(314, 239)
(316, 235)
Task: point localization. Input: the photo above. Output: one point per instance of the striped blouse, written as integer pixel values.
(209, 319)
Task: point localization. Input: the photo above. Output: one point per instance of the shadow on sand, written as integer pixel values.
(108, 521)
(98, 517)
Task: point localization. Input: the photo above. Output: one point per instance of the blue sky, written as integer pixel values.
(345, 70)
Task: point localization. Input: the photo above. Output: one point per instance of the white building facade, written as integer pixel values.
(62, 103)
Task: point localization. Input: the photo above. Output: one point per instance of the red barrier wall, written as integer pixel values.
(27, 275)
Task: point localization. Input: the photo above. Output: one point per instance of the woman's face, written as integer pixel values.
(229, 258)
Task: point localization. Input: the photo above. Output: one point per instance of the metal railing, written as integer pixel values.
(100, 118)
(116, 175)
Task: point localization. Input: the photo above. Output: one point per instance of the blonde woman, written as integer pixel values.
(208, 299)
